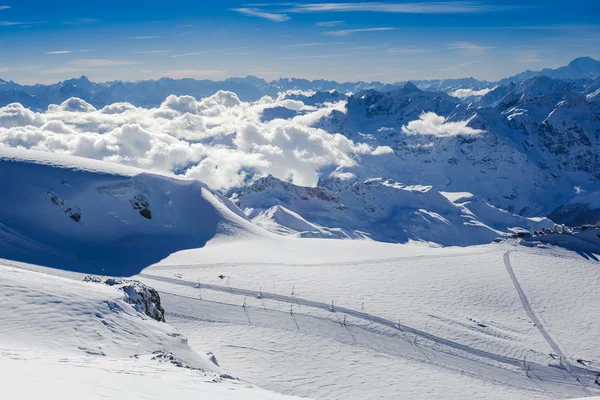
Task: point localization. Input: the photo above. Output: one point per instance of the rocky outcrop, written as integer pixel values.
(142, 297)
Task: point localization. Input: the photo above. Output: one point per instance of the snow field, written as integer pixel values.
(265, 313)
(77, 339)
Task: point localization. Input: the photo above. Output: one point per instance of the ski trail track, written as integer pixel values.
(536, 321)
(544, 373)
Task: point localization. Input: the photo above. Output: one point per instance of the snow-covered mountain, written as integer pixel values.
(387, 163)
(579, 68)
(152, 92)
(378, 209)
(544, 131)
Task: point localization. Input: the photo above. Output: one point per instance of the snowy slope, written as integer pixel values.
(361, 319)
(100, 217)
(335, 319)
(78, 339)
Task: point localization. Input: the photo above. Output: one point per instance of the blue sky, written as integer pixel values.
(43, 41)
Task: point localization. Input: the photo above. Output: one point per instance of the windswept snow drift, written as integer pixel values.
(97, 217)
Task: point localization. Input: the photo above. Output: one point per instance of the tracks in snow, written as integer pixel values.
(363, 316)
(536, 321)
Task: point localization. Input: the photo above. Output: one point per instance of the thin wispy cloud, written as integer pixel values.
(329, 24)
(455, 7)
(193, 73)
(316, 56)
(198, 53)
(346, 32)
(371, 47)
(550, 27)
(143, 37)
(18, 68)
(98, 62)
(82, 21)
(12, 23)
(59, 52)
(158, 52)
(315, 44)
(4, 7)
(257, 12)
(469, 48)
(195, 53)
(530, 57)
(60, 71)
(407, 50)
(458, 67)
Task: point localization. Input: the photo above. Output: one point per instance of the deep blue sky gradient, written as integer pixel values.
(103, 41)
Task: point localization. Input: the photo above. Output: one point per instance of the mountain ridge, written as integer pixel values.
(149, 93)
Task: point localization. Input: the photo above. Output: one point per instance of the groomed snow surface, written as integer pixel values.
(325, 319)
(410, 320)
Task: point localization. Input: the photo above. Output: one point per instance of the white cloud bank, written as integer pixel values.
(464, 93)
(219, 139)
(434, 125)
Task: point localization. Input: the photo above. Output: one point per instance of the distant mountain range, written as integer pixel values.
(536, 153)
(151, 93)
(531, 148)
(465, 160)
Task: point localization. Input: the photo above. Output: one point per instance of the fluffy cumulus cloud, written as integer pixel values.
(431, 124)
(14, 115)
(219, 139)
(464, 93)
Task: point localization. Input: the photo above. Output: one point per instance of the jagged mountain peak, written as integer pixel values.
(410, 87)
(585, 63)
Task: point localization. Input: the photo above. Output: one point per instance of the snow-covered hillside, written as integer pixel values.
(381, 210)
(62, 338)
(335, 319)
(98, 217)
(360, 320)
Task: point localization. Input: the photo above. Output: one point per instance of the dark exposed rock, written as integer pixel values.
(72, 212)
(144, 298)
(140, 203)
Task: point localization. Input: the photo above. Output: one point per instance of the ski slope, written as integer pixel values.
(317, 318)
(326, 318)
